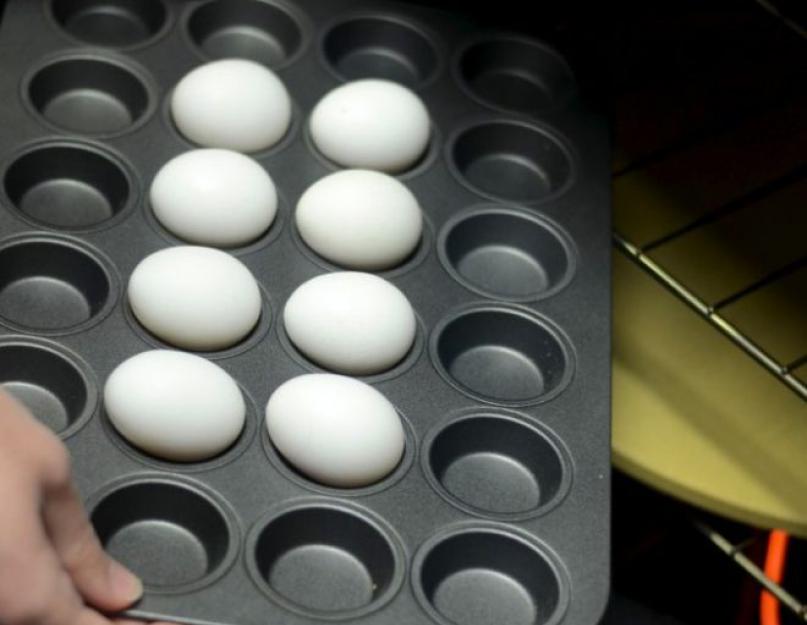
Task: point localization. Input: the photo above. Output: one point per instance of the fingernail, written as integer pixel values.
(124, 582)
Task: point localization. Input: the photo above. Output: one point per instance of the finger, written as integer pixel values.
(32, 451)
(86, 616)
(18, 414)
(16, 420)
(101, 581)
(126, 621)
(34, 588)
(9, 404)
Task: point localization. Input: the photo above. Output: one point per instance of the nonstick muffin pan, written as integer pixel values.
(499, 510)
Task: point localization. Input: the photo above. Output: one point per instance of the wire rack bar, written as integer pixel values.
(758, 194)
(764, 281)
(735, 552)
(790, 23)
(802, 360)
(710, 311)
(784, 373)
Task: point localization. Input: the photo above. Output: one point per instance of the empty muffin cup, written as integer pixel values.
(114, 23)
(515, 74)
(173, 534)
(325, 560)
(506, 254)
(89, 95)
(53, 384)
(380, 47)
(68, 185)
(489, 576)
(496, 464)
(250, 29)
(52, 285)
(502, 355)
(510, 160)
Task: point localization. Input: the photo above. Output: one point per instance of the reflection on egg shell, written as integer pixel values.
(174, 405)
(214, 197)
(350, 322)
(371, 124)
(232, 103)
(336, 430)
(196, 298)
(360, 219)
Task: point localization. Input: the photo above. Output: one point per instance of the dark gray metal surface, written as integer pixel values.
(499, 512)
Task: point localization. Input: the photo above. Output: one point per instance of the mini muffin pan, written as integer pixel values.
(499, 511)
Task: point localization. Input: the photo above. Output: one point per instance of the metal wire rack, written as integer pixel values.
(736, 551)
(712, 311)
(642, 255)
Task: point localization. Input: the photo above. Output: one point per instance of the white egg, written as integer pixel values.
(232, 103)
(195, 297)
(174, 405)
(371, 124)
(336, 430)
(360, 219)
(350, 322)
(214, 197)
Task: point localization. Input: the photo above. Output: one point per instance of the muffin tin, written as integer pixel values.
(499, 511)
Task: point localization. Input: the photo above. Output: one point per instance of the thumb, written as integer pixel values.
(101, 581)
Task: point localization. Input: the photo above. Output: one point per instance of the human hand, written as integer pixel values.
(53, 569)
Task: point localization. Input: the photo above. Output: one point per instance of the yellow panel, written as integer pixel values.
(776, 317)
(720, 259)
(697, 418)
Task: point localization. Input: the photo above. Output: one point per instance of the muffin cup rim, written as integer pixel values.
(164, 29)
(199, 489)
(101, 260)
(387, 14)
(537, 427)
(564, 343)
(89, 144)
(499, 36)
(292, 11)
(73, 359)
(525, 124)
(529, 541)
(99, 55)
(512, 210)
(376, 522)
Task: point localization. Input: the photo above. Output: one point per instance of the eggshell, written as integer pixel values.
(195, 297)
(371, 124)
(360, 219)
(232, 103)
(350, 322)
(336, 430)
(174, 405)
(214, 197)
